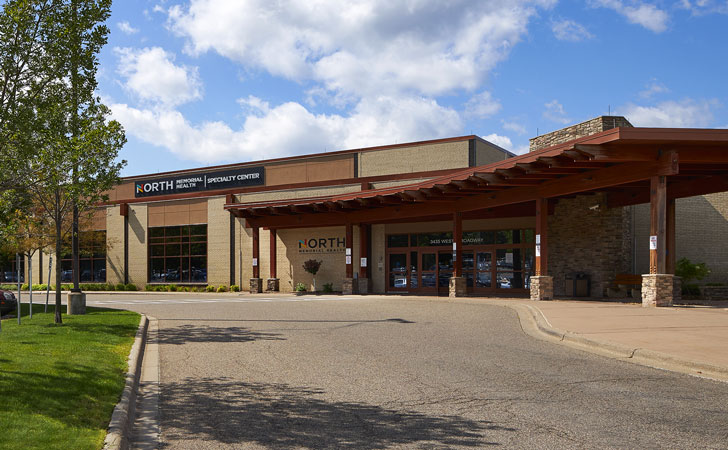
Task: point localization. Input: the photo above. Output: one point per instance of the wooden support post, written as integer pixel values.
(542, 215)
(457, 244)
(670, 236)
(658, 224)
(273, 254)
(256, 252)
(363, 247)
(349, 254)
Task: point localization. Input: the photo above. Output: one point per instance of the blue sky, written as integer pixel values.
(205, 82)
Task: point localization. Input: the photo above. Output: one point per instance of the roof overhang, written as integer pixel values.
(619, 161)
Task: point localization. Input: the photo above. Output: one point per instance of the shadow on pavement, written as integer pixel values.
(281, 416)
(192, 333)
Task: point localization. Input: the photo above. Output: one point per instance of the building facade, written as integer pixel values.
(207, 226)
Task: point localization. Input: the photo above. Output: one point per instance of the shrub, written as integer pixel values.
(130, 287)
(149, 287)
(690, 289)
(300, 287)
(210, 288)
(172, 288)
(234, 288)
(161, 288)
(222, 288)
(688, 271)
(328, 287)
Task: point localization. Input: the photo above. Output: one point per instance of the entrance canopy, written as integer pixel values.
(619, 161)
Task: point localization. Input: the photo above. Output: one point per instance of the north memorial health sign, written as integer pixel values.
(235, 178)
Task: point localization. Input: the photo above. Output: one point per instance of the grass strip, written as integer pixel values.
(59, 383)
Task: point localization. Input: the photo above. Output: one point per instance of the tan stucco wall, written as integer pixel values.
(701, 234)
(218, 242)
(114, 245)
(297, 193)
(377, 259)
(448, 155)
(386, 184)
(138, 244)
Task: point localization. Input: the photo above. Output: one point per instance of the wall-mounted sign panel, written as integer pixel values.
(226, 179)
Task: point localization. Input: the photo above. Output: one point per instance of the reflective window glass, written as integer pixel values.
(398, 240)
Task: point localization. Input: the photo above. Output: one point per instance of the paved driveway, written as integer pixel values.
(388, 372)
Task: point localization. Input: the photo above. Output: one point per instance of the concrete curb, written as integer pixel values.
(119, 431)
(535, 324)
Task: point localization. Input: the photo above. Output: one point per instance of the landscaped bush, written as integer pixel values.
(328, 287)
(149, 288)
(234, 288)
(222, 288)
(300, 287)
(690, 289)
(130, 287)
(210, 289)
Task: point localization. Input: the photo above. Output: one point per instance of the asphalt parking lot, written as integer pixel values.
(392, 372)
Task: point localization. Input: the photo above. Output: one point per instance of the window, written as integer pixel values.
(91, 258)
(9, 269)
(178, 254)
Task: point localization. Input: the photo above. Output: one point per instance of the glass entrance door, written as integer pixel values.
(429, 271)
(483, 270)
(397, 266)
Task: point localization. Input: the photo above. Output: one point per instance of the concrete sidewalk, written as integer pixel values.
(690, 339)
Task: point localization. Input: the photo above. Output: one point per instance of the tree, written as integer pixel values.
(312, 266)
(75, 146)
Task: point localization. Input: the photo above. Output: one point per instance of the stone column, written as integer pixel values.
(658, 289)
(256, 285)
(542, 288)
(348, 286)
(458, 287)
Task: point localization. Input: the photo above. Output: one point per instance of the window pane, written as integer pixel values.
(198, 269)
(428, 279)
(172, 249)
(504, 280)
(467, 260)
(445, 261)
(482, 279)
(156, 266)
(172, 231)
(86, 272)
(157, 250)
(173, 269)
(469, 279)
(504, 258)
(429, 262)
(185, 270)
(413, 269)
(198, 229)
(198, 249)
(198, 238)
(529, 236)
(397, 240)
(516, 234)
(478, 237)
(504, 237)
(398, 262)
(100, 271)
(66, 271)
(156, 232)
(434, 239)
(483, 261)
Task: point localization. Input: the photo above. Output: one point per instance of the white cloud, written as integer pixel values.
(568, 30)
(501, 141)
(482, 106)
(652, 89)
(639, 13)
(377, 47)
(701, 7)
(126, 28)
(514, 126)
(685, 113)
(152, 76)
(555, 112)
(289, 129)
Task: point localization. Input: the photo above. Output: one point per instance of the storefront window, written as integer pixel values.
(91, 255)
(397, 240)
(178, 254)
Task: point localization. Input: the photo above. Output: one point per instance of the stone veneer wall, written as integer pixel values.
(593, 126)
(586, 236)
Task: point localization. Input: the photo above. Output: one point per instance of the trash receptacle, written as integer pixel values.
(582, 284)
(569, 285)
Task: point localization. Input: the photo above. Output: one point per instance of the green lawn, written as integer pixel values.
(59, 383)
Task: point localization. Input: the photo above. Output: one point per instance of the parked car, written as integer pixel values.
(7, 302)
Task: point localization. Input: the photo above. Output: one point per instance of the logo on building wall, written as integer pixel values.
(248, 176)
(322, 245)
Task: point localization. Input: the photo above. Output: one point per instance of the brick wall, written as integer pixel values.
(701, 234)
(218, 242)
(585, 236)
(589, 127)
(138, 245)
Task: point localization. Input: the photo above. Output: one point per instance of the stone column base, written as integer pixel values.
(363, 286)
(458, 287)
(542, 288)
(76, 302)
(348, 286)
(256, 285)
(658, 289)
(272, 285)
